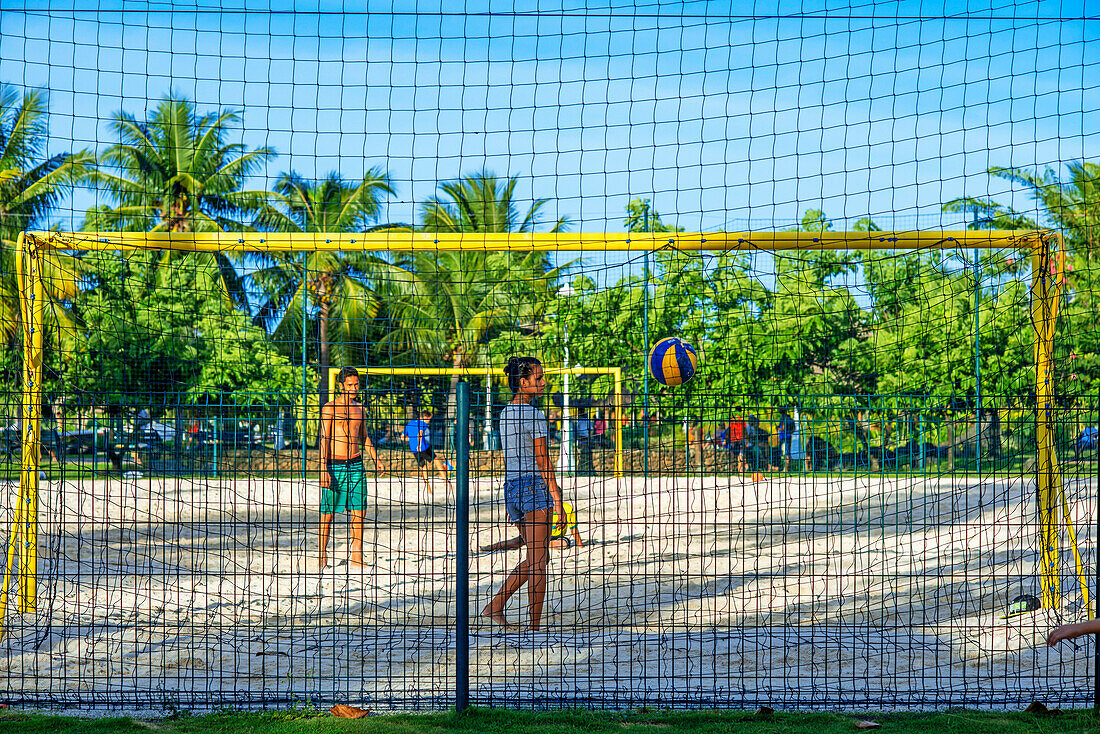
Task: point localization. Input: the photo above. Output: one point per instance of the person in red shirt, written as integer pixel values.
(736, 438)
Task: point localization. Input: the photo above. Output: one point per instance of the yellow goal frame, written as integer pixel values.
(1048, 276)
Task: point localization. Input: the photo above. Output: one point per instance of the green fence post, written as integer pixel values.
(216, 421)
(645, 373)
(920, 440)
(1096, 591)
(977, 353)
(305, 388)
(462, 523)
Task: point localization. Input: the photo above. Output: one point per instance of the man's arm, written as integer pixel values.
(368, 446)
(323, 440)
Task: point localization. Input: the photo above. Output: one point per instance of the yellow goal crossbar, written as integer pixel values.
(405, 240)
(496, 374)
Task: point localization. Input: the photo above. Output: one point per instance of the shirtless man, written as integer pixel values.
(342, 470)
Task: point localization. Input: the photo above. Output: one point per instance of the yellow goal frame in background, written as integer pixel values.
(495, 374)
(1048, 276)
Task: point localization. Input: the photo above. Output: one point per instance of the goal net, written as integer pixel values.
(874, 225)
(835, 463)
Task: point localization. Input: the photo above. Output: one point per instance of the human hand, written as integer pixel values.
(326, 478)
(559, 509)
(1062, 632)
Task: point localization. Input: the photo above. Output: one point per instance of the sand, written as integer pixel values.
(863, 592)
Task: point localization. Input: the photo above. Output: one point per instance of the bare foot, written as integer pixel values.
(498, 618)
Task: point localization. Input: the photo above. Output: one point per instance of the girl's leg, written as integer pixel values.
(535, 530)
(538, 558)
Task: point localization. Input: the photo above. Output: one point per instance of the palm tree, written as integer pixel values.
(1070, 205)
(30, 188)
(342, 286)
(472, 295)
(178, 172)
(481, 202)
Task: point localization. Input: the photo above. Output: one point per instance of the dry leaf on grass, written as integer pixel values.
(348, 712)
(867, 725)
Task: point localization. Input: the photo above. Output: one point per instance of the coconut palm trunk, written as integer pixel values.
(323, 288)
(325, 349)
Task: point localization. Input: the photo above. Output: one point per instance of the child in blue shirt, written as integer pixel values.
(420, 443)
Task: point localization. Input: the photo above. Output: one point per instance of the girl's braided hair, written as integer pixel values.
(519, 368)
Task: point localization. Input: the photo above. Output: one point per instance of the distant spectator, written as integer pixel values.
(194, 427)
(693, 434)
(584, 427)
(721, 438)
(784, 433)
(418, 432)
(756, 440)
(736, 439)
(1086, 441)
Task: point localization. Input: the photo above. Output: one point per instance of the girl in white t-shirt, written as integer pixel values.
(531, 493)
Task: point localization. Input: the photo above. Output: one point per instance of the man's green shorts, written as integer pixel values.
(347, 492)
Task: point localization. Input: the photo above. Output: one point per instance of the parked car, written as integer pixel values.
(82, 442)
(164, 432)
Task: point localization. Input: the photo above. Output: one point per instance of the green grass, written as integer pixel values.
(495, 721)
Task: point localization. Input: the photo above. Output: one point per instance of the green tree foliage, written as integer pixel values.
(786, 325)
(642, 217)
(177, 171)
(1068, 204)
(482, 202)
(606, 327)
(470, 298)
(339, 289)
(151, 331)
(32, 184)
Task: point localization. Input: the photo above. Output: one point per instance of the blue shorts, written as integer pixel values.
(524, 494)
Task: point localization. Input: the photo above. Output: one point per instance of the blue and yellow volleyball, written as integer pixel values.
(673, 361)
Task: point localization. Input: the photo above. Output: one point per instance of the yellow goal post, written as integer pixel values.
(496, 374)
(1047, 268)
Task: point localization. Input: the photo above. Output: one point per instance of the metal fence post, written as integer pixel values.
(216, 420)
(462, 524)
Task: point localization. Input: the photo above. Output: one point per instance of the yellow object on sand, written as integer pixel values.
(557, 531)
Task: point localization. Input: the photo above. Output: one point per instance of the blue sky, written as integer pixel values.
(726, 121)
